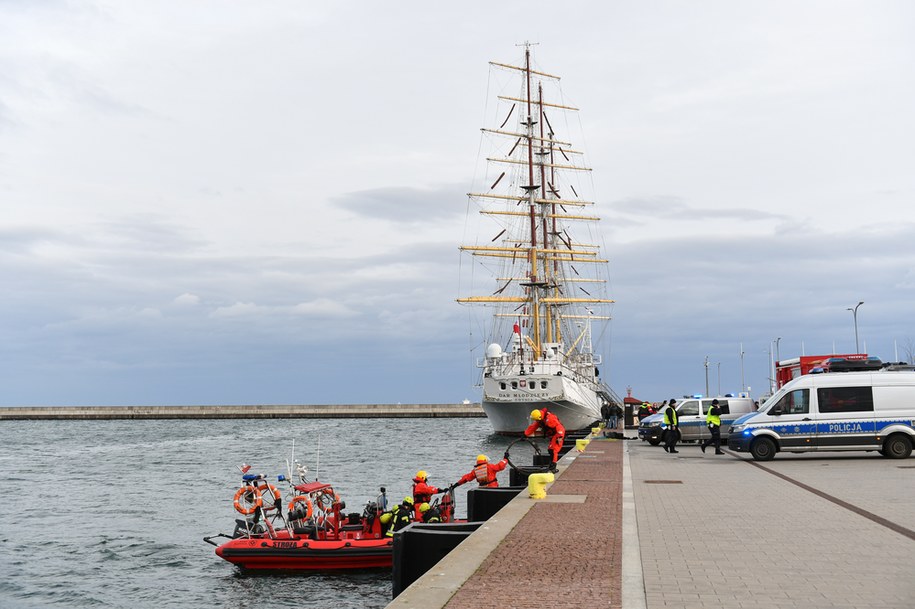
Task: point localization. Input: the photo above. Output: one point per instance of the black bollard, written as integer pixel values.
(484, 502)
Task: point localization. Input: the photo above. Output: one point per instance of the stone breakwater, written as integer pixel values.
(261, 411)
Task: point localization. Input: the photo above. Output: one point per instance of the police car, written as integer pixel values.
(833, 411)
(691, 414)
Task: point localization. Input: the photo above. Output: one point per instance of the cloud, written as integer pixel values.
(323, 307)
(404, 205)
(676, 208)
(187, 300)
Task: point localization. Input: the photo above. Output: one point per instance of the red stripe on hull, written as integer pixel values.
(308, 555)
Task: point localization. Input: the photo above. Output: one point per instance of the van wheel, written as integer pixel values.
(654, 440)
(763, 449)
(897, 446)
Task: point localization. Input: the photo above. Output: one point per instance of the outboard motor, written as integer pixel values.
(247, 528)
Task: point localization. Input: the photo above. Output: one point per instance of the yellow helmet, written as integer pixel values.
(422, 475)
(408, 499)
(423, 507)
(536, 415)
(482, 458)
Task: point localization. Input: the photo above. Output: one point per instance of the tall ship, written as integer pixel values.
(537, 279)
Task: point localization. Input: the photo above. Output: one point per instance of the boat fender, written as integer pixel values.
(309, 508)
(536, 485)
(257, 503)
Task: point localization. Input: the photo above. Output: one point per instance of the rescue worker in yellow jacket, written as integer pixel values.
(430, 514)
(400, 516)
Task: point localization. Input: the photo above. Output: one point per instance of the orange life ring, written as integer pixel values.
(264, 486)
(309, 509)
(258, 501)
(325, 495)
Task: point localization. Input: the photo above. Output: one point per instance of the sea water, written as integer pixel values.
(113, 513)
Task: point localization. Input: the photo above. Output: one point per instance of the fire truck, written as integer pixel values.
(788, 369)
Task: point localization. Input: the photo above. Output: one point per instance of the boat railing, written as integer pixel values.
(579, 366)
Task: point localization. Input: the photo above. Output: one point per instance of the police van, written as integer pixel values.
(833, 411)
(691, 414)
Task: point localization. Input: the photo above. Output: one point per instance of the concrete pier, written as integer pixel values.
(627, 525)
(263, 411)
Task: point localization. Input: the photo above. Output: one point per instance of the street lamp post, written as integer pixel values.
(719, 378)
(777, 357)
(706, 375)
(854, 312)
(743, 385)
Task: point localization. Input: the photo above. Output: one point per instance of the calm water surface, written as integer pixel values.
(113, 513)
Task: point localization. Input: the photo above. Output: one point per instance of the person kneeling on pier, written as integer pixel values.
(552, 429)
(483, 472)
(400, 516)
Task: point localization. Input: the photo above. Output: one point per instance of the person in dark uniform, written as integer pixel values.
(713, 420)
(673, 428)
(644, 411)
(400, 516)
(430, 514)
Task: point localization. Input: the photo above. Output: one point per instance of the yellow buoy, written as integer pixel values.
(580, 444)
(536, 485)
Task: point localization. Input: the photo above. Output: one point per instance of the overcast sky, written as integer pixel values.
(261, 202)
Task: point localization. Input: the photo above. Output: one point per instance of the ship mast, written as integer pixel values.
(531, 188)
(549, 255)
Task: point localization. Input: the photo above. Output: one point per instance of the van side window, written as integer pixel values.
(690, 408)
(795, 402)
(845, 399)
(723, 407)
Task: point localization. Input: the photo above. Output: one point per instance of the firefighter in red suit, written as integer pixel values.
(484, 472)
(552, 429)
(422, 491)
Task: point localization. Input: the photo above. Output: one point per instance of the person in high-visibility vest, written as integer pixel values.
(673, 428)
(644, 411)
(400, 516)
(713, 420)
(430, 514)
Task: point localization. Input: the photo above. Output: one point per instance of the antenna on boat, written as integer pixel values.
(290, 461)
(318, 460)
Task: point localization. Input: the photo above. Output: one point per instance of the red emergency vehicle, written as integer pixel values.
(788, 369)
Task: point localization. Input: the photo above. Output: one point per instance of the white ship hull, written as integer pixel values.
(512, 418)
(509, 397)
